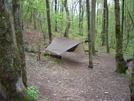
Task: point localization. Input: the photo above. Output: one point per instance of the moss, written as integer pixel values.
(10, 56)
(15, 48)
(18, 96)
(121, 68)
(13, 69)
(120, 64)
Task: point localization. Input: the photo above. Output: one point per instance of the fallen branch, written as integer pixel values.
(44, 54)
(130, 59)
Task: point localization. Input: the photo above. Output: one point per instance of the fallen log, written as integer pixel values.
(130, 59)
(44, 54)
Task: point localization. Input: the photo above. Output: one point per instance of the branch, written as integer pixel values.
(130, 15)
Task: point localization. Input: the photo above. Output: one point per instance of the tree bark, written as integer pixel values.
(34, 18)
(120, 65)
(56, 15)
(68, 19)
(122, 27)
(103, 36)
(61, 11)
(80, 17)
(106, 26)
(12, 57)
(93, 25)
(90, 65)
(132, 83)
(20, 42)
(49, 21)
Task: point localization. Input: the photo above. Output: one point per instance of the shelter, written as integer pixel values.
(61, 45)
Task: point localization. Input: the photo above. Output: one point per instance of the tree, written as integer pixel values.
(68, 19)
(93, 26)
(132, 83)
(120, 64)
(104, 33)
(89, 36)
(103, 37)
(12, 57)
(80, 17)
(34, 17)
(122, 27)
(106, 26)
(56, 15)
(49, 21)
(18, 32)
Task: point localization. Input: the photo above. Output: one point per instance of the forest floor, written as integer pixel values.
(70, 79)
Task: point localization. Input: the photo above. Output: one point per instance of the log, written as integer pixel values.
(45, 54)
(130, 59)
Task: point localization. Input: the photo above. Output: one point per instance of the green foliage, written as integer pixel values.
(129, 50)
(33, 63)
(127, 73)
(46, 97)
(28, 7)
(51, 62)
(64, 96)
(32, 93)
(30, 48)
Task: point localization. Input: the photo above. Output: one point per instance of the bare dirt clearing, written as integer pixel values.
(70, 79)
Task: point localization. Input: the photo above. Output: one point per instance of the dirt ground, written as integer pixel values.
(70, 79)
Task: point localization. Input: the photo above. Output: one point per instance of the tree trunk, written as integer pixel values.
(49, 21)
(122, 16)
(89, 38)
(93, 26)
(80, 17)
(106, 26)
(120, 65)
(20, 42)
(56, 15)
(12, 57)
(34, 18)
(68, 19)
(61, 11)
(31, 15)
(103, 38)
(132, 83)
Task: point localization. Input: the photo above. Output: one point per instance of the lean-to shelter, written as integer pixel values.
(61, 45)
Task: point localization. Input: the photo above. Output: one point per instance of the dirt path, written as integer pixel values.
(69, 79)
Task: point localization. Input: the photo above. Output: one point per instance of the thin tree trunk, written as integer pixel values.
(122, 27)
(82, 20)
(80, 17)
(106, 27)
(61, 11)
(34, 18)
(93, 25)
(31, 16)
(103, 38)
(49, 21)
(90, 65)
(120, 64)
(132, 83)
(68, 19)
(56, 15)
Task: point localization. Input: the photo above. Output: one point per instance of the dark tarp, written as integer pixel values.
(60, 45)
